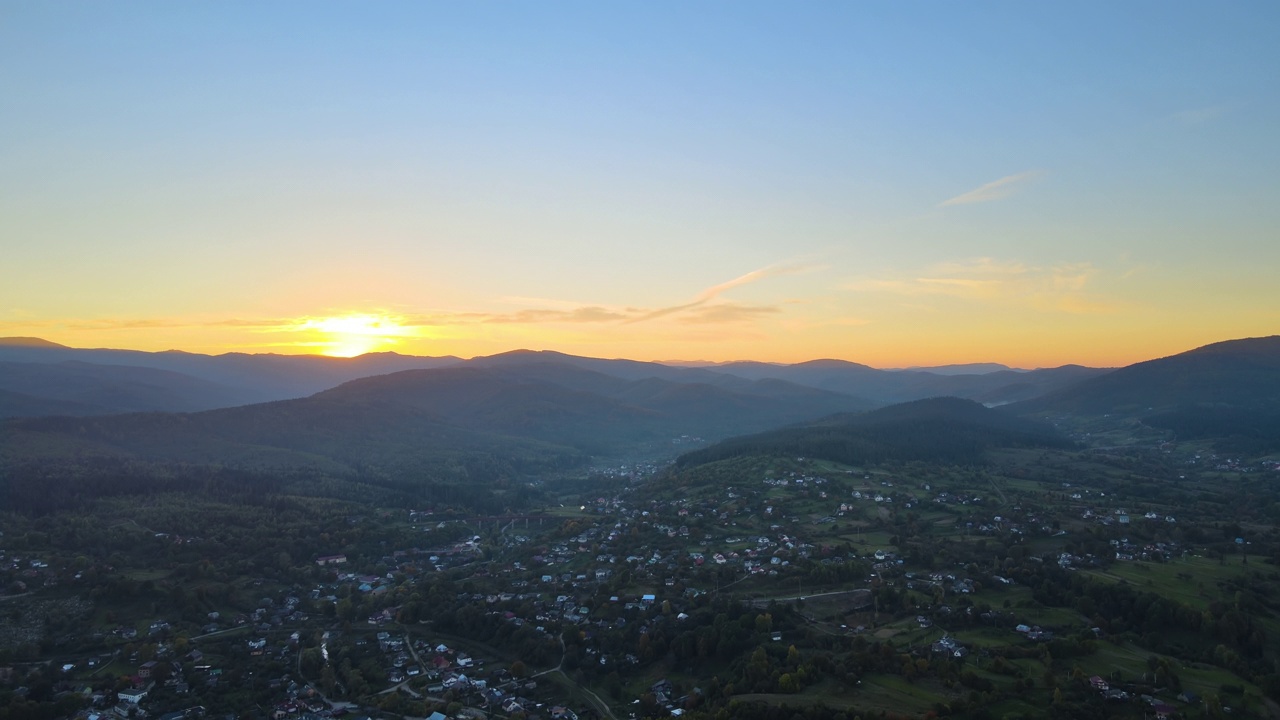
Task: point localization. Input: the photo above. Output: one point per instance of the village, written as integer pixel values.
(477, 626)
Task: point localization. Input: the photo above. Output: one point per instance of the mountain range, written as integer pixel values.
(520, 413)
(42, 378)
(507, 417)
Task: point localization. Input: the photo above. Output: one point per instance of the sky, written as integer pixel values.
(896, 184)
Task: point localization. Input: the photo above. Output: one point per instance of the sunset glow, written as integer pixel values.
(877, 183)
(351, 335)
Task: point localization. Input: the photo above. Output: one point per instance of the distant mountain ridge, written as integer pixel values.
(963, 369)
(212, 381)
(511, 416)
(464, 421)
(80, 388)
(231, 379)
(896, 386)
(28, 342)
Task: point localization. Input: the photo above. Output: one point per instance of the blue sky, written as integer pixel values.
(899, 183)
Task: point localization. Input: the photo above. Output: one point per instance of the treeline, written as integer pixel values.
(45, 487)
(51, 486)
(1228, 635)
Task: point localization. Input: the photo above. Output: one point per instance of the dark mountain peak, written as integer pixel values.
(963, 369)
(522, 355)
(29, 342)
(1259, 347)
(833, 364)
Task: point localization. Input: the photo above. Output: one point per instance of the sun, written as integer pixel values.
(352, 335)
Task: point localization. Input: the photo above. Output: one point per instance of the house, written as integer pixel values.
(1099, 683)
(131, 696)
(331, 560)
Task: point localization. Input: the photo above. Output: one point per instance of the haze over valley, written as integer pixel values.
(604, 361)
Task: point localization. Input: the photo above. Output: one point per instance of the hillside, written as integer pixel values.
(459, 424)
(938, 429)
(80, 388)
(1243, 373)
(1226, 392)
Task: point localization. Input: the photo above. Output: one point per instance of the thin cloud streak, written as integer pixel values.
(729, 313)
(1060, 288)
(715, 291)
(996, 190)
(703, 310)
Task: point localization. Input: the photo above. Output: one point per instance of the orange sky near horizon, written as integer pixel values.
(347, 335)
(894, 185)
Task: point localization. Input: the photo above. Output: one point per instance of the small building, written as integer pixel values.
(131, 696)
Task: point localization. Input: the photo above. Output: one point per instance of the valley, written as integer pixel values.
(936, 558)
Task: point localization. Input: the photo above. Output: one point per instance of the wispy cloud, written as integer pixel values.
(1065, 287)
(995, 190)
(713, 292)
(707, 307)
(723, 313)
(585, 314)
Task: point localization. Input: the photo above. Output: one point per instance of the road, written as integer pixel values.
(600, 705)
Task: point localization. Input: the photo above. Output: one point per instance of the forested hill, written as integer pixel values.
(463, 423)
(1227, 392)
(887, 387)
(1237, 373)
(940, 429)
